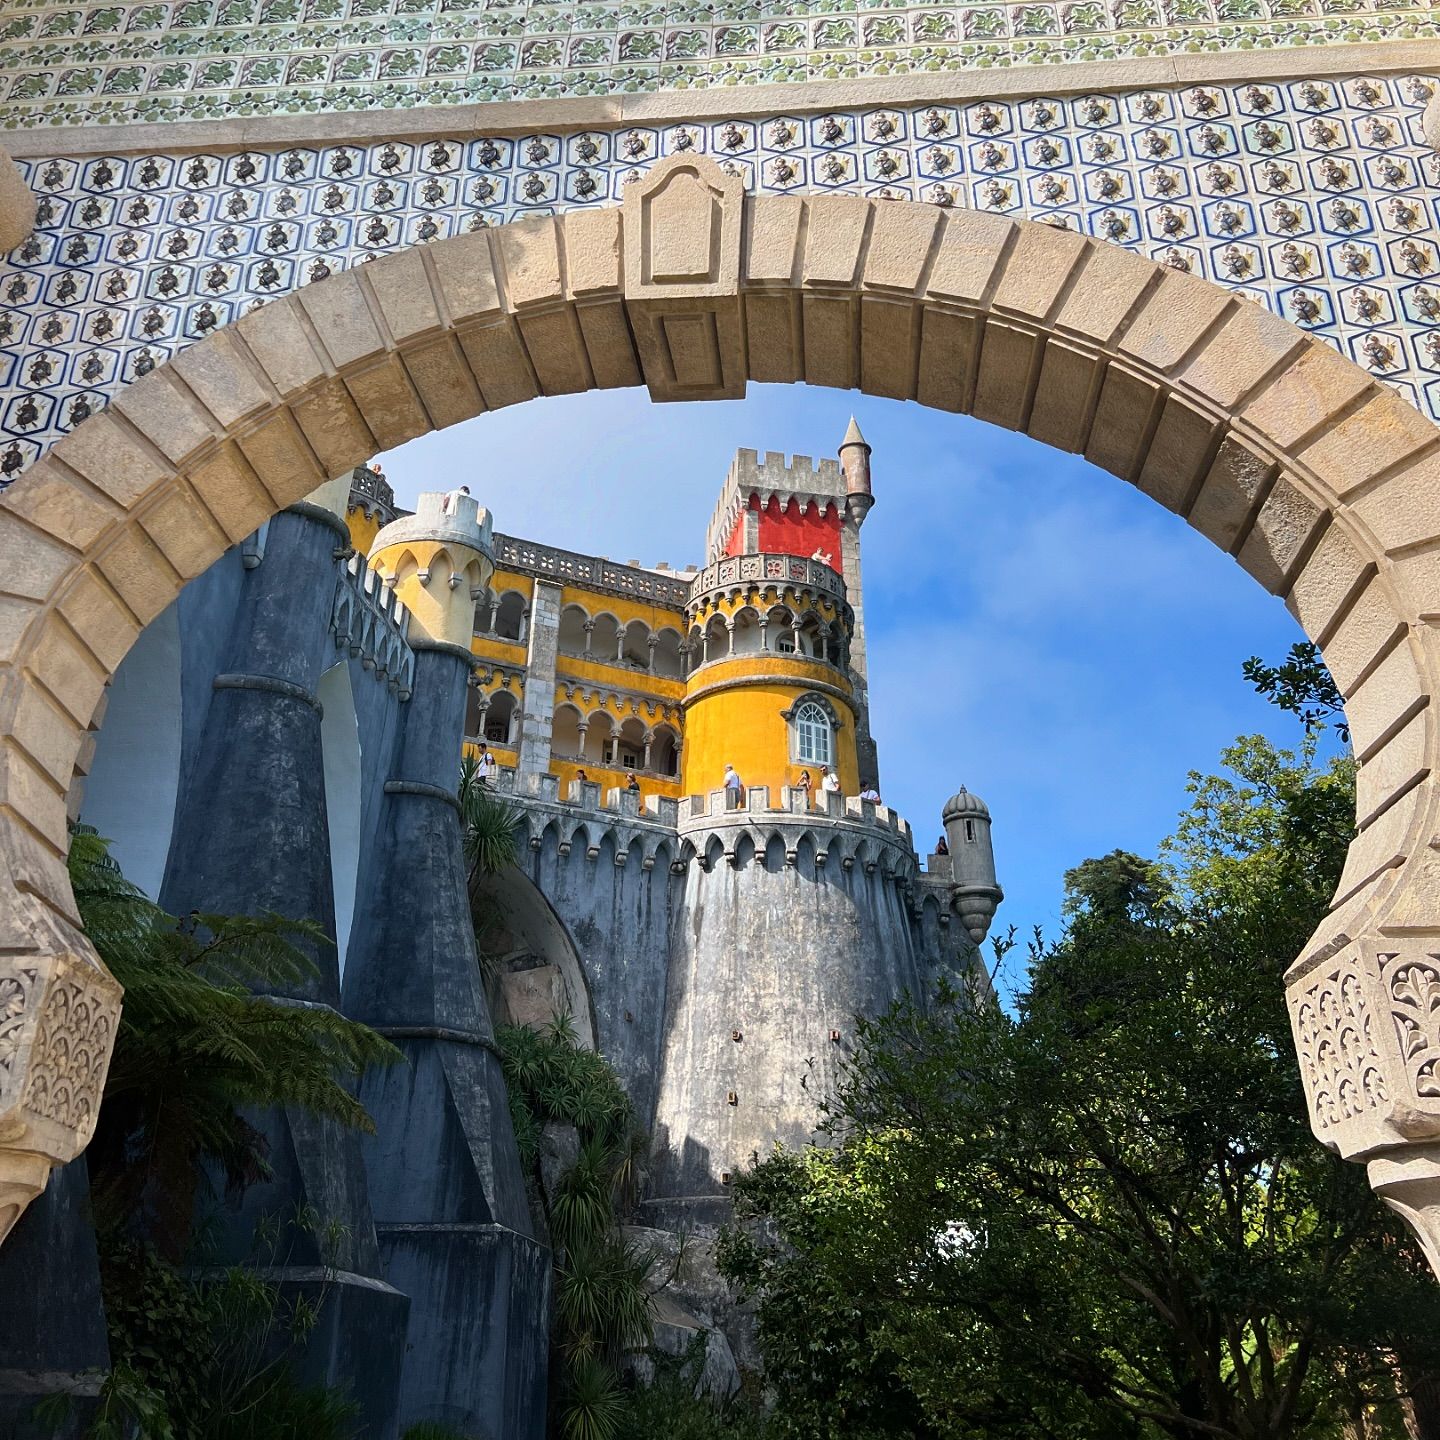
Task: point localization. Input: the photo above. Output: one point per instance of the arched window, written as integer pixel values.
(813, 742)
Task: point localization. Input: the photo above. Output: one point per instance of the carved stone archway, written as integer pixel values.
(1323, 484)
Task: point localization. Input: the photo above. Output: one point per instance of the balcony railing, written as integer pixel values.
(784, 570)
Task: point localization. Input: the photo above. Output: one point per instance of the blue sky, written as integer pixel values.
(1037, 629)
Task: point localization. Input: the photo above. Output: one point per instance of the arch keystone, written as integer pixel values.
(682, 226)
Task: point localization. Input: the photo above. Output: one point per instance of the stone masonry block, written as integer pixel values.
(529, 255)
(231, 492)
(901, 240)
(333, 425)
(830, 341)
(1386, 696)
(1362, 637)
(60, 506)
(1065, 396)
(112, 459)
(16, 617)
(1109, 286)
(140, 574)
(499, 364)
(1304, 397)
(443, 381)
(594, 264)
(33, 565)
(949, 345)
(98, 619)
(1008, 362)
(1250, 345)
(166, 414)
(190, 540)
(1417, 578)
(1173, 320)
(835, 238)
(772, 336)
(1230, 491)
(282, 461)
(26, 789)
(1121, 425)
(35, 864)
(466, 273)
(279, 339)
(971, 246)
(218, 371)
(609, 344)
(557, 351)
(772, 243)
(392, 410)
(1327, 581)
(67, 670)
(1405, 509)
(1285, 525)
(1398, 766)
(1380, 846)
(1179, 453)
(1037, 268)
(339, 309)
(45, 732)
(400, 284)
(888, 350)
(1383, 432)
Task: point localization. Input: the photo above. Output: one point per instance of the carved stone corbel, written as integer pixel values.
(59, 1011)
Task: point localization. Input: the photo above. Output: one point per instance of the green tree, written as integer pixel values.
(196, 1049)
(1103, 1215)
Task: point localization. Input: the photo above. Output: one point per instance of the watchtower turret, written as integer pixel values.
(438, 561)
(855, 462)
(974, 895)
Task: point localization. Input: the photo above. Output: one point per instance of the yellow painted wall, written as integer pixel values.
(492, 649)
(363, 528)
(744, 725)
(504, 580)
(593, 602)
(620, 677)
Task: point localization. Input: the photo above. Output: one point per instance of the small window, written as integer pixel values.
(812, 735)
(629, 760)
(497, 730)
(786, 644)
(970, 832)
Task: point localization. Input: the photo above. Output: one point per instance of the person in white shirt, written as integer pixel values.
(452, 499)
(871, 794)
(831, 783)
(488, 769)
(734, 790)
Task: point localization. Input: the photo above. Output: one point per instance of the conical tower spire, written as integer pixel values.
(855, 462)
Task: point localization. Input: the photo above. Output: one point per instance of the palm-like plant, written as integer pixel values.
(488, 824)
(196, 1046)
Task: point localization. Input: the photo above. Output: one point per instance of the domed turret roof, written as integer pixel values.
(962, 803)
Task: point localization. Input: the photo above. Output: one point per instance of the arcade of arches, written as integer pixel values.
(1324, 486)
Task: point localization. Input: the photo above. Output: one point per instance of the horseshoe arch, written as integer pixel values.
(1323, 484)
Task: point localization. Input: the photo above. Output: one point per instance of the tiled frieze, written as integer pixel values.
(1318, 198)
(90, 63)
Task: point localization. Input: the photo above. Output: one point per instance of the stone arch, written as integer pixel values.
(1323, 484)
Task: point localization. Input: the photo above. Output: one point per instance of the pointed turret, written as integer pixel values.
(855, 462)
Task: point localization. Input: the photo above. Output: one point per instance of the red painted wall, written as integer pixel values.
(785, 531)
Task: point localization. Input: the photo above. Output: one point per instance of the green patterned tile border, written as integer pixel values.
(172, 60)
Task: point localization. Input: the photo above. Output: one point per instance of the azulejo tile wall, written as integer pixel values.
(66, 63)
(1317, 198)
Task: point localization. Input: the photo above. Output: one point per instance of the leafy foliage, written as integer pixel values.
(601, 1300)
(193, 1358)
(668, 1408)
(1302, 686)
(1103, 1217)
(196, 1046)
(488, 824)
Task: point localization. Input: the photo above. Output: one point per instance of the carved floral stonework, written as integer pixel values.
(58, 1017)
(1343, 1071)
(1413, 985)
